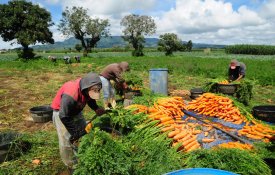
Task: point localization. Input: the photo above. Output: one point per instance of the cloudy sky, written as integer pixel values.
(202, 21)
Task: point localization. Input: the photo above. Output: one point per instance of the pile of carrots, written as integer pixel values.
(257, 132)
(221, 107)
(167, 110)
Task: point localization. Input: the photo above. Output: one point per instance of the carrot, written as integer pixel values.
(164, 119)
(180, 135)
(189, 145)
(207, 140)
(173, 133)
(168, 122)
(196, 146)
(186, 142)
(168, 128)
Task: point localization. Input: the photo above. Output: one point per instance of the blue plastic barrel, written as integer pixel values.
(159, 80)
(200, 171)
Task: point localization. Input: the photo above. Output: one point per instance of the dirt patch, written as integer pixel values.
(185, 94)
(31, 126)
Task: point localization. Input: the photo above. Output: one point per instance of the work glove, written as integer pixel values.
(88, 127)
(100, 111)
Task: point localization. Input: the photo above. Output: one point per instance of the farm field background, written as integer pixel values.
(32, 83)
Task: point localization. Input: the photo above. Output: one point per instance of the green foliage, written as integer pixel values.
(77, 22)
(132, 78)
(189, 46)
(251, 49)
(234, 160)
(144, 150)
(25, 22)
(99, 153)
(169, 43)
(148, 98)
(244, 91)
(136, 26)
(44, 146)
(78, 47)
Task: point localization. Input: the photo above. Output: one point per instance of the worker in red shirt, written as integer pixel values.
(67, 106)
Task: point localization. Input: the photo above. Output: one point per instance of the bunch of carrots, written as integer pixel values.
(235, 145)
(167, 110)
(257, 132)
(224, 82)
(221, 107)
(184, 136)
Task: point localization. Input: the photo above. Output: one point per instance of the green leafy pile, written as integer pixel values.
(235, 160)
(143, 150)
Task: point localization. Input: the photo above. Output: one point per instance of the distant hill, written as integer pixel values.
(109, 42)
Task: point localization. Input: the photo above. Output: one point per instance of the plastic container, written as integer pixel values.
(228, 89)
(200, 171)
(264, 112)
(41, 114)
(12, 146)
(159, 80)
(196, 92)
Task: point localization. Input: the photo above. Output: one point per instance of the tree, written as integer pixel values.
(78, 47)
(169, 43)
(26, 23)
(136, 27)
(77, 22)
(189, 46)
(96, 28)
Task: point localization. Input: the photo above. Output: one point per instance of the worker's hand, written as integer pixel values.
(100, 111)
(125, 86)
(88, 127)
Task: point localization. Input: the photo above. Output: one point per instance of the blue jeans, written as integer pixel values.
(108, 90)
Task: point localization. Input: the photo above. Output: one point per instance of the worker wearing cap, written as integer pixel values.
(67, 106)
(112, 72)
(236, 70)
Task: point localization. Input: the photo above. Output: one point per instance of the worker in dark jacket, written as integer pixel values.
(236, 70)
(112, 72)
(67, 106)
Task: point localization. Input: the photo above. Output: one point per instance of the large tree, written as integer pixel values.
(26, 23)
(76, 21)
(169, 42)
(136, 26)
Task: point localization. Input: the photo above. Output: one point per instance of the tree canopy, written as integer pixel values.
(136, 26)
(76, 21)
(169, 42)
(26, 23)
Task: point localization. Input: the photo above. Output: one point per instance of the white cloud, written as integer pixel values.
(110, 7)
(267, 9)
(196, 16)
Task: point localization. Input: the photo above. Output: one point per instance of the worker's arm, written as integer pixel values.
(239, 78)
(98, 110)
(68, 104)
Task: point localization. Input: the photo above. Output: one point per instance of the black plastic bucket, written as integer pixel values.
(265, 113)
(12, 146)
(196, 92)
(228, 89)
(41, 114)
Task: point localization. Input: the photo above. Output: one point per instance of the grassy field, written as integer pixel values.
(27, 84)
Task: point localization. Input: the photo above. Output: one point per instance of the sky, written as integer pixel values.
(202, 21)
